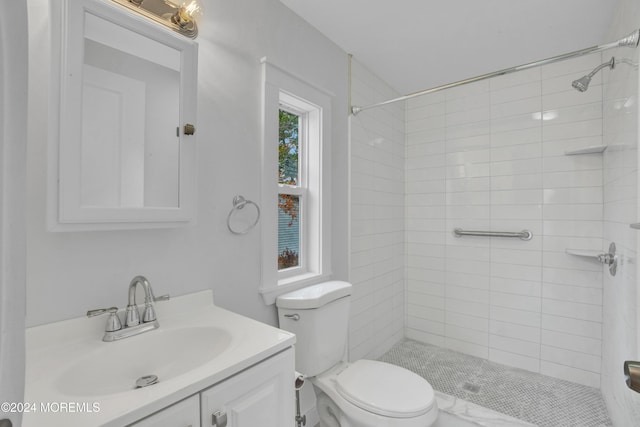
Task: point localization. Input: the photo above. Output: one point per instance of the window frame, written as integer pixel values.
(283, 90)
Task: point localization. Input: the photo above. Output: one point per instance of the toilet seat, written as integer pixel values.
(385, 389)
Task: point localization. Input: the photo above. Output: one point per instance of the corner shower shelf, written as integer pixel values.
(586, 253)
(594, 149)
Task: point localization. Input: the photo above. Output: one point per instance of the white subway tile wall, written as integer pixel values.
(378, 217)
(491, 156)
(620, 126)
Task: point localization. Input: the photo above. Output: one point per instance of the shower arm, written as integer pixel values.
(611, 64)
(630, 40)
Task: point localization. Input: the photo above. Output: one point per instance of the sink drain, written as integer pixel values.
(146, 381)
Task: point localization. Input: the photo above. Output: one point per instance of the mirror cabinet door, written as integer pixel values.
(128, 87)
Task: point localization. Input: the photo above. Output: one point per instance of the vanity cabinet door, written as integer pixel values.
(182, 414)
(262, 395)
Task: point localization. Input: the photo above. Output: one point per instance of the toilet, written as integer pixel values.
(364, 393)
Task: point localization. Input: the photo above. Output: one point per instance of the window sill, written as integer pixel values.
(291, 284)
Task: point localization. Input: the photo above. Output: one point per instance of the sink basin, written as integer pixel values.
(166, 353)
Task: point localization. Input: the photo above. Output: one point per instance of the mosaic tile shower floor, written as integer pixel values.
(535, 398)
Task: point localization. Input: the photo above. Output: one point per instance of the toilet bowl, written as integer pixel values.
(364, 393)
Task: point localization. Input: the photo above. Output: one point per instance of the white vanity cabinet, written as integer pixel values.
(262, 395)
(181, 414)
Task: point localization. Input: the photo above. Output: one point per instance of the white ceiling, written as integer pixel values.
(418, 44)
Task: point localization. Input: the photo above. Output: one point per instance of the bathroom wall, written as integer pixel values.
(491, 156)
(69, 273)
(377, 217)
(620, 310)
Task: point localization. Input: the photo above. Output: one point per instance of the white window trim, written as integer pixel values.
(278, 85)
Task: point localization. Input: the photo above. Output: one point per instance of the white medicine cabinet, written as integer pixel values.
(122, 149)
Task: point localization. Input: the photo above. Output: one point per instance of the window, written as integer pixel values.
(291, 188)
(295, 225)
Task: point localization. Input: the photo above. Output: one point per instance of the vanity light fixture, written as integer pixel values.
(187, 14)
(180, 17)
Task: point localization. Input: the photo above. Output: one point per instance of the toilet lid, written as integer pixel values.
(385, 389)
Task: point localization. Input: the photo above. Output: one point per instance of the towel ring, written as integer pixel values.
(240, 202)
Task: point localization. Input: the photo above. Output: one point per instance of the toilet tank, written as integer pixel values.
(319, 316)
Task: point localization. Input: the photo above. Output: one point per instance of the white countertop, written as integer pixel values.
(55, 348)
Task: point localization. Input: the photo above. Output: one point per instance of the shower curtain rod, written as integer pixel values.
(629, 41)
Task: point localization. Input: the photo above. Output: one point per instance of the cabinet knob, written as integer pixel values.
(189, 129)
(219, 419)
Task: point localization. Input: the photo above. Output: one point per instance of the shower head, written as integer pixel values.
(582, 84)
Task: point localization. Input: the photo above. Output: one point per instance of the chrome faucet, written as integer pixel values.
(133, 314)
(132, 326)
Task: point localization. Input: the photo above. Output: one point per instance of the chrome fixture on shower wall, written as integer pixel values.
(582, 84)
(523, 235)
(610, 259)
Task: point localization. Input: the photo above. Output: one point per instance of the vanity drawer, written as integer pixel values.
(183, 414)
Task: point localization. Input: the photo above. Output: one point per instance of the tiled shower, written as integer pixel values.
(495, 159)
(502, 155)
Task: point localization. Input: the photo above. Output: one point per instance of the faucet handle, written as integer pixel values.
(149, 314)
(113, 322)
(99, 311)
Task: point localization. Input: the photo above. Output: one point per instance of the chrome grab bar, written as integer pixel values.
(524, 234)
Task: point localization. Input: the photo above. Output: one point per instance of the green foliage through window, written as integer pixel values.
(288, 148)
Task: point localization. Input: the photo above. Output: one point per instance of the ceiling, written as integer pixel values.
(418, 44)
